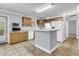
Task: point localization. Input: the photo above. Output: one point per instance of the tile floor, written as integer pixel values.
(14, 50)
(68, 48)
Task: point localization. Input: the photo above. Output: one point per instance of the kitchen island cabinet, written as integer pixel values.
(46, 39)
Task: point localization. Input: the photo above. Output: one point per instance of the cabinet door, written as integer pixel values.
(27, 21)
(14, 37)
(26, 35)
(23, 36)
(40, 23)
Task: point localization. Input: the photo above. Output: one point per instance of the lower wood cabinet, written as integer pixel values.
(14, 37)
(18, 37)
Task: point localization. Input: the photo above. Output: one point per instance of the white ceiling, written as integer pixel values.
(28, 8)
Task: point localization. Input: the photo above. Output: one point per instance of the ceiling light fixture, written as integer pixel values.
(44, 7)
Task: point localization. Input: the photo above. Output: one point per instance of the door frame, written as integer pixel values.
(68, 27)
(7, 28)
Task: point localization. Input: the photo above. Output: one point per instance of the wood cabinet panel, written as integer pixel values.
(18, 37)
(23, 36)
(26, 21)
(26, 35)
(41, 22)
(14, 38)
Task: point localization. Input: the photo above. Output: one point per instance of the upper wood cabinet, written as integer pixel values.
(26, 21)
(40, 23)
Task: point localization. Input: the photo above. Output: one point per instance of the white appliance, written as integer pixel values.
(30, 35)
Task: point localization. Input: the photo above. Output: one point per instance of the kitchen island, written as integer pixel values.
(46, 39)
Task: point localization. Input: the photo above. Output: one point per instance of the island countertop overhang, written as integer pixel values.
(46, 30)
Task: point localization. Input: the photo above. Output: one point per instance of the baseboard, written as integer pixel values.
(61, 40)
(64, 39)
(53, 49)
(46, 49)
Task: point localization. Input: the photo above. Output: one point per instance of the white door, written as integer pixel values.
(3, 29)
(72, 28)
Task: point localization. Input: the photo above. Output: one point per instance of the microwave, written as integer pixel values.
(15, 24)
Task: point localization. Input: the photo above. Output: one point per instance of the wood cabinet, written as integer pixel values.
(26, 21)
(23, 36)
(41, 22)
(18, 37)
(14, 37)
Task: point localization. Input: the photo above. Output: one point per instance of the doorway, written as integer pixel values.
(72, 28)
(3, 29)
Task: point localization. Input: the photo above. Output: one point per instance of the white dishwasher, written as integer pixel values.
(30, 35)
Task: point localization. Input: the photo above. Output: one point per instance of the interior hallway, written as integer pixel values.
(67, 48)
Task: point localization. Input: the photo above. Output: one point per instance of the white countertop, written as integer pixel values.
(27, 28)
(46, 29)
(17, 31)
(38, 29)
